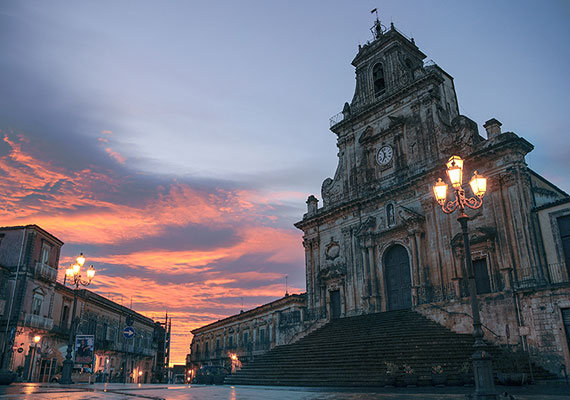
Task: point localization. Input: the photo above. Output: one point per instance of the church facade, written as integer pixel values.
(381, 242)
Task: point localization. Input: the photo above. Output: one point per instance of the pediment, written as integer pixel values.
(478, 235)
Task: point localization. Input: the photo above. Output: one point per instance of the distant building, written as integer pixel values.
(29, 258)
(34, 304)
(248, 333)
(381, 242)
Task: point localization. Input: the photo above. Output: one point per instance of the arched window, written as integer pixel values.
(378, 79)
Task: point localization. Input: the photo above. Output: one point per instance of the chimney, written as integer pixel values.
(312, 205)
(493, 128)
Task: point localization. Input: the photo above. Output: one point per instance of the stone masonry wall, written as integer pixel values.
(541, 322)
(547, 340)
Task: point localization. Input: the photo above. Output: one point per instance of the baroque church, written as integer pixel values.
(380, 241)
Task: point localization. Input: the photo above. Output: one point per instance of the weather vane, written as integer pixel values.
(377, 29)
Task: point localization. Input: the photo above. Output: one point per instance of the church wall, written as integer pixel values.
(540, 331)
(547, 218)
(392, 147)
(541, 313)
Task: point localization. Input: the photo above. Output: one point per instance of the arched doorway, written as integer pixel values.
(398, 278)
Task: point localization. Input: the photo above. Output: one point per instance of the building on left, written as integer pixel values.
(35, 319)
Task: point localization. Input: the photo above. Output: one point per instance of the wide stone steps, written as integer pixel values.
(354, 351)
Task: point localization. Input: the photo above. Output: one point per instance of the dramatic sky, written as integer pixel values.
(175, 142)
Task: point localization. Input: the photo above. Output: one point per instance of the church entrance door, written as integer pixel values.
(335, 304)
(398, 278)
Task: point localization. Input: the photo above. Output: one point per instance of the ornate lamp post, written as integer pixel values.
(482, 366)
(34, 350)
(73, 277)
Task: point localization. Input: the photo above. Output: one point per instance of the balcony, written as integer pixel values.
(533, 277)
(44, 271)
(37, 321)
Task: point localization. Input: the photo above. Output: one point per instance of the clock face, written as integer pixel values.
(384, 155)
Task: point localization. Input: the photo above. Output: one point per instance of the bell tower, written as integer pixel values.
(402, 120)
(384, 65)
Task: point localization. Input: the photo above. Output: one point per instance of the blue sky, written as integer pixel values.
(144, 130)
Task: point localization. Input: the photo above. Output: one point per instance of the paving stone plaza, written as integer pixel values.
(552, 391)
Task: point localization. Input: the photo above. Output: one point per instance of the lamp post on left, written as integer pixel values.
(34, 350)
(74, 278)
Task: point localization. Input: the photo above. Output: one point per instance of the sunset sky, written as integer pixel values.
(175, 142)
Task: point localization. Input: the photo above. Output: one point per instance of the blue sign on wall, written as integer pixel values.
(129, 332)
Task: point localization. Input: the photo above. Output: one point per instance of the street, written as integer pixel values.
(31, 391)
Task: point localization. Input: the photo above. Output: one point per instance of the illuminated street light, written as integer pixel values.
(482, 365)
(34, 350)
(74, 278)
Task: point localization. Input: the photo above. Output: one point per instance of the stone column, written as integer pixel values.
(366, 271)
(372, 266)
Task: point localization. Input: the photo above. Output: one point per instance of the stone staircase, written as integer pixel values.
(354, 351)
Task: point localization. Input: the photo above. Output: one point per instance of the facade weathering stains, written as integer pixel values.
(380, 242)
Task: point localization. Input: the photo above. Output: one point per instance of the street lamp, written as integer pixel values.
(74, 278)
(37, 339)
(482, 366)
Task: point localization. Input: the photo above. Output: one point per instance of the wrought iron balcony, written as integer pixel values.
(46, 272)
(37, 321)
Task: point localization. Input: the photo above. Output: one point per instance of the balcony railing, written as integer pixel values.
(46, 272)
(289, 318)
(315, 314)
(531, 277)
(558, 273)
(262, 345)
(522, 278)
(37, 321)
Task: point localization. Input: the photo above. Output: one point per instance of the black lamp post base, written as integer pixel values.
(483, 371)
(66, 372)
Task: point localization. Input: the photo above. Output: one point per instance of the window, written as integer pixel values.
(564, 229)
(262, 335)
(245, 338)
(231, 341)
(64, 315)
(390, 217)
(45, 253)
(37, 303)
(91, 326)
(378, 79)
(217, 344)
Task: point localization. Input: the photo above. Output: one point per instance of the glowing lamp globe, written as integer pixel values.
(69, 272)
(90, 273)
(76, 268)
(37, 339)
(478, 184)
(455, 161)
(440, 191)
(80, 260)
(455, 171)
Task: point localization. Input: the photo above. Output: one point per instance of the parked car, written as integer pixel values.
(211, 375)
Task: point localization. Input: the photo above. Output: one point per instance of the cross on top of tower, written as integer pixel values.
(377, 29)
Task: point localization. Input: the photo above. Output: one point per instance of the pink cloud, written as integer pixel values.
(116, 156)
(69, 205)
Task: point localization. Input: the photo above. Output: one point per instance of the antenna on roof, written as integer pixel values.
(286, 285)
(377, 29)
(241, 305)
